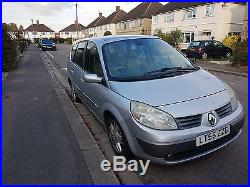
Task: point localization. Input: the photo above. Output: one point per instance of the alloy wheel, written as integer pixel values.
(115, 136)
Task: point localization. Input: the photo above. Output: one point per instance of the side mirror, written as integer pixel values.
(92, 78)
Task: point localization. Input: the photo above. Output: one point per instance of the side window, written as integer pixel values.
(73, 50)
(80, 54)
(92, 60)
(218, 44)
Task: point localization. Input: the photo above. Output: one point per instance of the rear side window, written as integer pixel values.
(80, 54)
(92, 61)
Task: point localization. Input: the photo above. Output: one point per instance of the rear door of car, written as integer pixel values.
(209, 48)
(76, 68)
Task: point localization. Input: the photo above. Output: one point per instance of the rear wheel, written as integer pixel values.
(117, 138)
(73, 95)
(204, 56)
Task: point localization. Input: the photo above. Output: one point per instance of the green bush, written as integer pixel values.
(69, 40)
(231, 41)
(173, 38)
(36, 40)
(61, 40)
(9, 51)
(240, 54)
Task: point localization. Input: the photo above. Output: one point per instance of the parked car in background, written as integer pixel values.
(152, 101)
(47, 44)
(208, 49)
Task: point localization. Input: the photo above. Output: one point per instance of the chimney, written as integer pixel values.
(117, 8)
(100, 14)
(37, 21)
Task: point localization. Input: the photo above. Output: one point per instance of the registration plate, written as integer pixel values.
(212, 136)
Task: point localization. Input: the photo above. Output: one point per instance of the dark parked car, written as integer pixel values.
(208, 48)
(47, 44)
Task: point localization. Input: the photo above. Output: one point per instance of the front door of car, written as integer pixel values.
(219, 49)
(93, 91)
(77, 65)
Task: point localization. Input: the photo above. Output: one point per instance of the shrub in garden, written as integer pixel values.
(61, 40)
(9, 50)
(69, 40)
(231, 41)
(240, 54)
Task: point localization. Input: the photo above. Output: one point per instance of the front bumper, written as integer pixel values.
(178, 151)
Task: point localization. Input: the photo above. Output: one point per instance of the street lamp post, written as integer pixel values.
(33, 30)
(77, 34)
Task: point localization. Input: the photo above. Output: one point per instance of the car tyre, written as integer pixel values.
(74, 96)
(117, 138)
(204, 56)
(228, 55)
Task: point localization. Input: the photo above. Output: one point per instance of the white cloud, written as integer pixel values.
(58, 15)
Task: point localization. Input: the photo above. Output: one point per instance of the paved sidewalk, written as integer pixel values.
(39, 146)
(224, 68)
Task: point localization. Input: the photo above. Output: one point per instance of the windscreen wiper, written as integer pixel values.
(171, 70)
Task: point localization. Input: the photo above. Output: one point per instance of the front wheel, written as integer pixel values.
(228, 55)
(117, 138)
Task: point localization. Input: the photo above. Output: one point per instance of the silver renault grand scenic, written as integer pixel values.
(153, 102)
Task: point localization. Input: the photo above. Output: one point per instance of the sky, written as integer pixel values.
(58, 15)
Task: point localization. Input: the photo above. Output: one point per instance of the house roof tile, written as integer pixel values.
(143, 10)
(38, 28)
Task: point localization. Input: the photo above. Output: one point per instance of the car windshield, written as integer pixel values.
(47, 42)
(194, 44)
(141, 59)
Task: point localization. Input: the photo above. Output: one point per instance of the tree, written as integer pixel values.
(173, 38)
(20, 28)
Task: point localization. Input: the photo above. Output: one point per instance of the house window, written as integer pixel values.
(139, 22)
(155, 19)
(105, 27)
(169, 17)
(66, 33)
(188, 37)
(189, 13)
(34, 33)
(210, 10)
(43, 33)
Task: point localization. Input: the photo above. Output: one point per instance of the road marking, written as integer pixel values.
(50, 54)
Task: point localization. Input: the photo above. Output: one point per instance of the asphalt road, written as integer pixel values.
(226, 166)
(39, 146)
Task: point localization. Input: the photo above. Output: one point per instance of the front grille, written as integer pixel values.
(202, 149)
(224, 111)
(189, 121)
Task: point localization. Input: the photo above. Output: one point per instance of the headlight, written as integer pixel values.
(54, 44)
(234, 100)
(152, 117)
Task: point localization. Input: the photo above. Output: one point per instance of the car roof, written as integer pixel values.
(108, 39)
